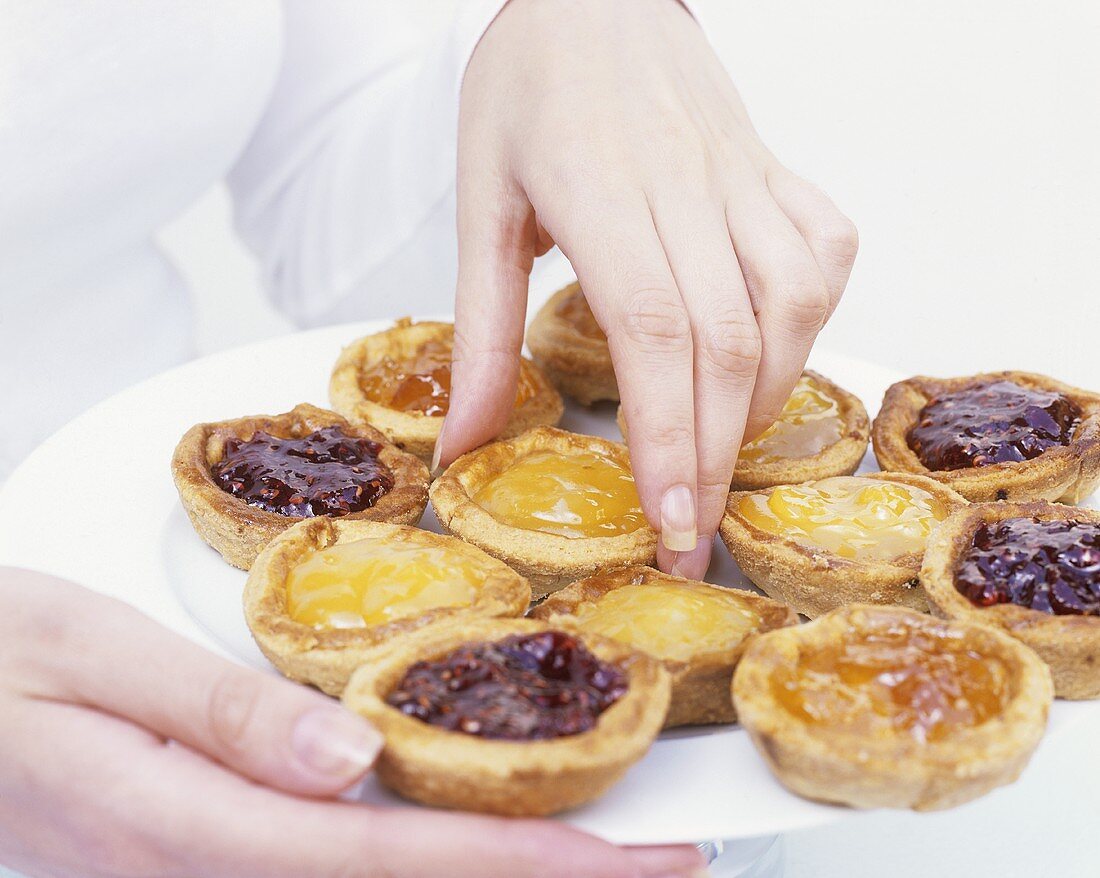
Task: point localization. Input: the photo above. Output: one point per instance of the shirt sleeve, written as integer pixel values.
(356, 151)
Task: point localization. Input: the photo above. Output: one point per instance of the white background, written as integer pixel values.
(962, 138)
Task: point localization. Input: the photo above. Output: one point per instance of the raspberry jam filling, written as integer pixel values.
(992, 422)
(1050, 566)
(324, 473)
(524, 687)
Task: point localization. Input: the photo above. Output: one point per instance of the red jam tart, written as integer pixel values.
(1031, 569)
(995, 436)
(508, 716)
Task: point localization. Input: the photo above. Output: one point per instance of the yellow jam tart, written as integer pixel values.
(371, 582)
(849, 516)
(399, 380)
(581, 494)
(809, 422)
(574, 309)
(555, 506)
(848, 539)
(886, 707)
(325, 591)
(697, 630)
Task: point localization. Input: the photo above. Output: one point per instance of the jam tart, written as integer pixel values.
(820, 545)
(555, 506)
(508, 716)
(874, 707)
(244, 481)
(822, 431)
(325, 591)
(399, 380)
(568, 345)
(696, 630)
(1032, 570)
(994, 436)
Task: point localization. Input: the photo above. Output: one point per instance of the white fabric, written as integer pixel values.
(335, 121)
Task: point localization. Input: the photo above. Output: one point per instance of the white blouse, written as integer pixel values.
(334, 122)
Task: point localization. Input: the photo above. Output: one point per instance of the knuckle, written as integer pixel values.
(837, 238)
(731, 345)
(231, 709)
(654, 320)
(667, 434)
(805, 301)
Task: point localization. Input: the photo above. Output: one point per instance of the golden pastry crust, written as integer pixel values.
(579, 366)
(812, 580)
(451, 769)
(239, 531)
(700, 685)
(413, 431)
(891, 771)
(326, 658)
(1069, 473)
(1069, 644)
(548, 561)
(842, 458)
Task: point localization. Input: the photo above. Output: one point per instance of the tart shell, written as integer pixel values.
(548, 561)
(700, 685)
(239, 531)
(842, 458)
(835, 765)
(413, 431)
(1069, 644)
(326, 658)
(451, 769)
(1066, 473)
(814, 581)
(577, 365)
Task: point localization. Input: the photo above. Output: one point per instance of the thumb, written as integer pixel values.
(497, 238)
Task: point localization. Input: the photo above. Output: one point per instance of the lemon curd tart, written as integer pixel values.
(1031, 570)
(822, 431)
(555, 506)
(823, 544)
(697, 630)
(508, 716)
(876, 706)
(994, 436)
(570, 347)
(400, 381)
(324, 592)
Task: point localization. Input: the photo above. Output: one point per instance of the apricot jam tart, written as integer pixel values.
(885, 707)
(1031, 569)
(822, 431)
(836, 541)
(697, 630)
(570, 347)
(244, 481)
(325, 591)
(400, 381)
(556, 506)
(508, 716)
(998, 436)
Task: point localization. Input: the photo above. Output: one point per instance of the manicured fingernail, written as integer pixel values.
(335, 743)
(678, 519)
(437, 452)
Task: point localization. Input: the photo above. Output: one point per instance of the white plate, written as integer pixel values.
(96, 503)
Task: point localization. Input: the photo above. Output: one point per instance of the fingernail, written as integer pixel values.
(335, 743)
(678, 519)
(437, 452)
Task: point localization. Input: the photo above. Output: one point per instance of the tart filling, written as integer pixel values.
(991, 422)
(523, 688)
(1049, 566)
(576, 495)
(575, 311)
(508, 716)
(809, 423)
(324, 473)
(886, 707)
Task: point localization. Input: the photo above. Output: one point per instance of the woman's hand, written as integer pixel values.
(610, 128)
(126, 750)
